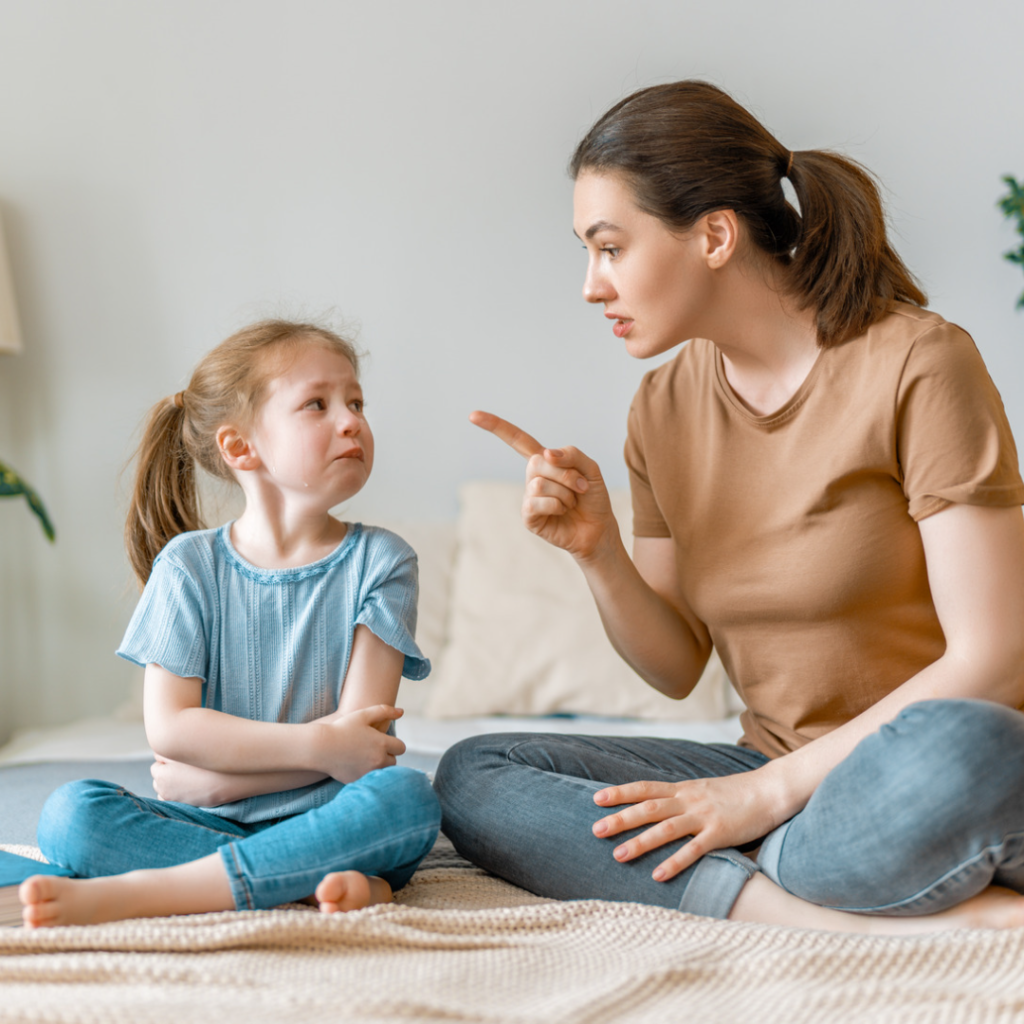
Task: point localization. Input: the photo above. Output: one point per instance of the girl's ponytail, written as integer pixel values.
(164, 499)
(687, 148)
(843, 265)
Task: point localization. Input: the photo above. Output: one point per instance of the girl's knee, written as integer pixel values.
(408, 793)
(72, 816)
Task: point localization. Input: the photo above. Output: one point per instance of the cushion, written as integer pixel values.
(524, 634)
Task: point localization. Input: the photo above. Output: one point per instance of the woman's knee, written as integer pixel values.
(970, 751)
(73, 816)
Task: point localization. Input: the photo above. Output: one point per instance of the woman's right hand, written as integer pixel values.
(350, 744)
(566, 501)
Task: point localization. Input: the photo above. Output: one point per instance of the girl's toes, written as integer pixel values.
(343, 891)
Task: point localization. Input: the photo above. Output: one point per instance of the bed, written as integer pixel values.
(458, 944)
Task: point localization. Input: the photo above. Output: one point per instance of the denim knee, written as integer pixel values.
(969, 751)
(930, 791)
(413, 800)
(70, 818)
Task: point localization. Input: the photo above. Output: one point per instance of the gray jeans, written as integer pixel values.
(923, 814)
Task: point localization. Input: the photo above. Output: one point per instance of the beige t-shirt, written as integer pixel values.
(796, 534)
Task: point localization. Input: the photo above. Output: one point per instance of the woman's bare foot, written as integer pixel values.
(761, 900)
(195, 888)
(341, 891)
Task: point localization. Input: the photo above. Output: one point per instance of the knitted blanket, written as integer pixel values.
(460, 945)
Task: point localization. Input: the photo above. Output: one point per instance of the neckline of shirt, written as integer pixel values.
(292, 574)
(786, 411)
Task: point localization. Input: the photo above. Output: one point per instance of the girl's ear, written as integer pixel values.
(721, 234)
(237, 452)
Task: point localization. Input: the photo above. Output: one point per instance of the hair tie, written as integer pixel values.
(789, 166)
(179, 399)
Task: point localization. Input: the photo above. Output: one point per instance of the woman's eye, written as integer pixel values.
(611, 250)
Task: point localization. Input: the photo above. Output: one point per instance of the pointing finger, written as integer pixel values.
(515, 438)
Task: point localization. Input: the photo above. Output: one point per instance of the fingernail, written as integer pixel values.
(621, 852)
(582, 484)
(659, 874)
(600, 829)
(556, 452)
(601, 797)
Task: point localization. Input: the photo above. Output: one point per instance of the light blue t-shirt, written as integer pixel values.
(273, 645)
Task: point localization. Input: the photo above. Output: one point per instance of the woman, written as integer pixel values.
(826, 489)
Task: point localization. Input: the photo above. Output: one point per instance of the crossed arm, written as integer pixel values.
(206, 757)
(975, 562)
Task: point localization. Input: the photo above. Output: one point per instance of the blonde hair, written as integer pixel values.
(227, 387)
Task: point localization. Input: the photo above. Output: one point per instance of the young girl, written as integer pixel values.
(273, 649)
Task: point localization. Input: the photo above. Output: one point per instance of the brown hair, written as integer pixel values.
(228, 386)
(688, 148)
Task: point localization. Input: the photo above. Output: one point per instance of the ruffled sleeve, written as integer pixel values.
(388, 607)
(168, 627)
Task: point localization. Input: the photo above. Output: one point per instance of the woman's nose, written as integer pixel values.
(595, 285)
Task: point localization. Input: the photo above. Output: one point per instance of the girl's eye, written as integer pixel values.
(316, 404)
(357, 405)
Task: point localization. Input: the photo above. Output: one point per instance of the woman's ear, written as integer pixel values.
(720, 231)
(237, 452)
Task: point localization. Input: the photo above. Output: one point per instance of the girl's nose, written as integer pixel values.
(349, 424)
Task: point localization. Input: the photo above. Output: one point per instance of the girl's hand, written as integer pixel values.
(566, 501)
(174, 780)
(717, 812)
(350, 744)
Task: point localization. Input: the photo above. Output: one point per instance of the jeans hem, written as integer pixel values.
(240, 891)
(715, 883)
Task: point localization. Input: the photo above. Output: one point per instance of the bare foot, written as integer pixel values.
(198, 887)
(50, 900)
(341, 891)
(996, 907)
(761, 900)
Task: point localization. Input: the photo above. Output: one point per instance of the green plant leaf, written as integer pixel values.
(1012, 205)
(12, 485)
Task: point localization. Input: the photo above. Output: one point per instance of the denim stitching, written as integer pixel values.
(239, 876)
(383, 844)
(150, 809)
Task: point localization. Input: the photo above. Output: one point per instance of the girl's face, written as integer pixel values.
(311, 435)
(655, 285)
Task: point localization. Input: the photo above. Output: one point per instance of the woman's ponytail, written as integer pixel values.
(842, 264)
(688, 148)
(164, 499)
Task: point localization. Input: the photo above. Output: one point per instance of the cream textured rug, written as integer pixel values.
(460, 945)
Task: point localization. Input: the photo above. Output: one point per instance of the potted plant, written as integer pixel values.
(1012, 205)
(11, 485)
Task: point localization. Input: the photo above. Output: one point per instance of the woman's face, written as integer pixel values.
(654, 284)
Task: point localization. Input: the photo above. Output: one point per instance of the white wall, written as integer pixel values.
(172, 168)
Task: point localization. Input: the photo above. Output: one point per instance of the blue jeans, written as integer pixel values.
(383, 824)
(923, 814)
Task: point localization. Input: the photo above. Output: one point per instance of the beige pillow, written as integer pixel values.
(524, 635)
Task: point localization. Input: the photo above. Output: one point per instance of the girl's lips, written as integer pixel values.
(353, 453)
(621, 328)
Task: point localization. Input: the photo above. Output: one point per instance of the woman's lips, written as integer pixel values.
(621, 328)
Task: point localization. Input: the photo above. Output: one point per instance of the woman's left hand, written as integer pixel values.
(716, 812)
